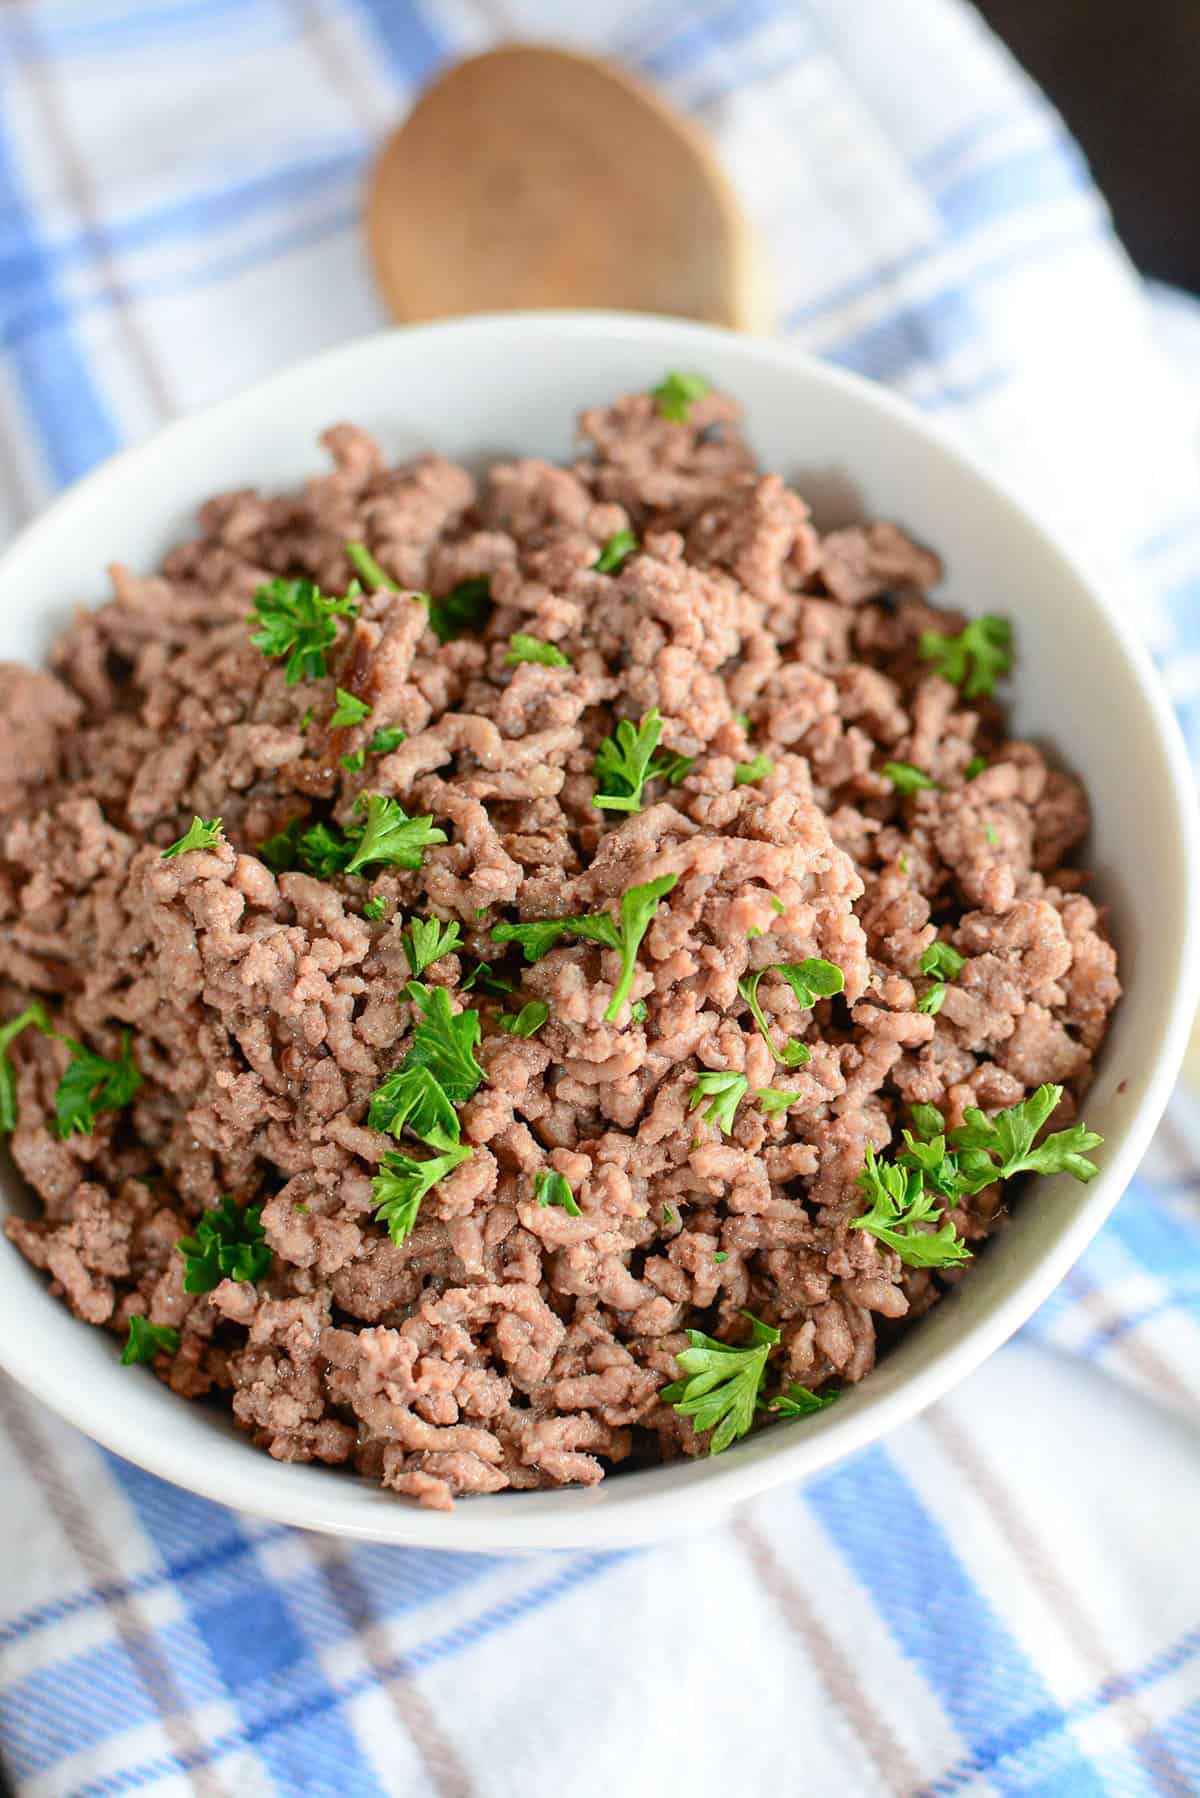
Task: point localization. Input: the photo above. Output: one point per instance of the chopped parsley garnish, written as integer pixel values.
(145, 1340)
(33, 1015)
(229, 1244)
(989, 831)
(899, 1207)
(902, 864)
(354, 762)
(365, 565)
(774, 1099)
(384, 741)
(348, 710)
(374, 908)
(92, 1084)
(464, 608)
(980, 1151)
(721, 1390)
(809, 980)
(975, 659)
(306, 719)
(1008, 1140)
(725, 1091)
(483, 977)
(551, 1188)
(638, 1010)
(439, 1072)
(613, 556)
(638, 906)
(758, 769)
(742, 720)
(798, 1401)
(524, 648)
(942, 962)
(403, 1181)
(675, 395)
(390, 835)
(201, 833)
(975, 766)
(626, 761)
(721, 1255)
(426, 940)
(906, 779)
(669, 1217)
(295, 619)
(528, 1021)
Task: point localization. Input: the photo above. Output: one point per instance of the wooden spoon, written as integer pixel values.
(533, 177)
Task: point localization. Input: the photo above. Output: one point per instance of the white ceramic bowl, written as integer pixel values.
(486, 387)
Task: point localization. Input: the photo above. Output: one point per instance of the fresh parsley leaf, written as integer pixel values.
(354, 762)
(774, 1099)
(295, 619)
(669, 1217)
(942, 961)
(623, 763)
(675, 394)
(616, 551)
(638, 1010)
(426, 940)
(931, 1002)
(742, 720)
(33, 1015)
(899, 1206)
(758, 769)
(374, 908)
(975, 766)
(229, 1244)
(482, 976)
(1009, 1138)
(92, 1084)
(793, 1054)
(444, 1042)
(306, 719)
(638, 906)
(720, 1255)
(365, 565)
(721, 1390)
(524, 648)
(348, 710)
(812, 980)
(464, 608)
(975, 659)
(671, 768)
(384, 741)
(282, 851)
(324, 851)
(411, 1098)
(725, 1090)
(551, 1188)
(927, 1121)
(390, 835)
(402, 1183)
(528, 1021)
(989, 831)
(906, 779)
(145, 1340)
(798, 1401)
(201, 833)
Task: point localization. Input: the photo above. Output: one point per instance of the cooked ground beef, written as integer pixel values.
(507, 1343)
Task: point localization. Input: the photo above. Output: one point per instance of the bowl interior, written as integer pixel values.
(488, 388)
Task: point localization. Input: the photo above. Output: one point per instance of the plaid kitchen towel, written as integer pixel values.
(1003, 1599)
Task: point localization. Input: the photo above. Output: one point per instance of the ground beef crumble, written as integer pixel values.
(506, 1344)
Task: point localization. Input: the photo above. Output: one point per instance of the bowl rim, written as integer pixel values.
(638, 1514)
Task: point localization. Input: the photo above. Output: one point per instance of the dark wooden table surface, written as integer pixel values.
(1125, 74)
